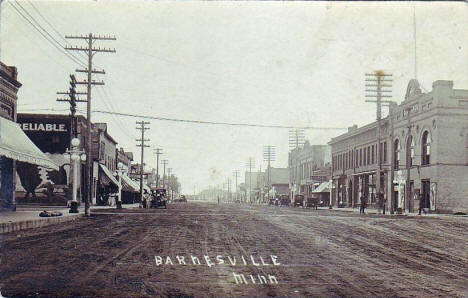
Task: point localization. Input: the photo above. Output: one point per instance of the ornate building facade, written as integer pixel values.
(423, 149)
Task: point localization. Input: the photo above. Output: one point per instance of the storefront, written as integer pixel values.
(17, 150)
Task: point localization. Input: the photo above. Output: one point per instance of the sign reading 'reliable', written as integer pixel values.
(43, 127)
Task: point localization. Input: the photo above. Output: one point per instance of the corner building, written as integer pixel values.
(423, 154)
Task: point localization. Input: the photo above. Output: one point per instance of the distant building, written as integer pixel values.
(279, 181)
(303, 162)
(423, 143)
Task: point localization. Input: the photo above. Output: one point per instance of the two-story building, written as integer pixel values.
(103, 153)
(423, 150)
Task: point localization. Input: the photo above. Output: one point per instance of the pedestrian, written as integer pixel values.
(421, 204)
(382, 202)
(363, 204)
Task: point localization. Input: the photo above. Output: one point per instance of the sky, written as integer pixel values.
(269, 63)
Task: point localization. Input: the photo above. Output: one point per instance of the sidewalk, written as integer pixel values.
(377, 211)
(27, 217)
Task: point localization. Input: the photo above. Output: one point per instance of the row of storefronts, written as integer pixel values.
(52, 133)
(34, 165)
(423, 149)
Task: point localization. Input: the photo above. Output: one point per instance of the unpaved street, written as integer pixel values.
(308, 253)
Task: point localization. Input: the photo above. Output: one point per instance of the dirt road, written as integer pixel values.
(201, 249)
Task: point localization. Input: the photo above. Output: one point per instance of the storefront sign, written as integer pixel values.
(43, 127)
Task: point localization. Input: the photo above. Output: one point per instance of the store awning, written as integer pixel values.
(129, 185)
(324, 187)
(15, 144)
(109, 177)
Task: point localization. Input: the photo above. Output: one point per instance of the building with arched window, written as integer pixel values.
(428, 163)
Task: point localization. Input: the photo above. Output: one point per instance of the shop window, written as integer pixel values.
(410, 152)
(426, 148)
(396, 153)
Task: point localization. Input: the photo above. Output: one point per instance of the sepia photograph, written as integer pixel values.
(233, 148)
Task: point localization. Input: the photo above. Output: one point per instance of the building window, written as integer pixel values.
(385, 152)
(426, 148)
(410, 152)
(356, 159)
(368, 155)
(396, 153)
(360, 157)
(373, 154)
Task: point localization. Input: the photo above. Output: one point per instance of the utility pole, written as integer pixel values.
(90, 51)
(235, 173)
(408, 164)
(169, 186)
(296, 138)
(157, 151)
(143, 128)
(377, 86)
(164, 162)
(249, 165)
(73, 128)
(72, 99)
(269, 155)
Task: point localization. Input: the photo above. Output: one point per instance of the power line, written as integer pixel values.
(83, 56)
(218, 123)
(50, 39)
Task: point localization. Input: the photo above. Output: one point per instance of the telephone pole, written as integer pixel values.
(157, 151)
(90, 51)
(235, 173)
(164, 162)
(296, 138)
(169, 186)
(269, 155)
(378, 86)
(143, 128)
(72, 99)
(250, 163)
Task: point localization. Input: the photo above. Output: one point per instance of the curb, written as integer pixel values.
(34, 223)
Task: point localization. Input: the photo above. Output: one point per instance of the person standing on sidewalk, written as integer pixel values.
(363, 204)
(382, 202)
(421, 204)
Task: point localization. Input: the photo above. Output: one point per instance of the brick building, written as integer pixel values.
(424, 154)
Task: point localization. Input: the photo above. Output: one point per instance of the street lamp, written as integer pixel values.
(120, 171)
(75, 157)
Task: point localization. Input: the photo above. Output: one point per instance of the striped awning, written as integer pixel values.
(16, 145)
(129, 185)
(108, 176)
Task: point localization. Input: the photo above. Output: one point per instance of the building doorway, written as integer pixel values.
(426, 191)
